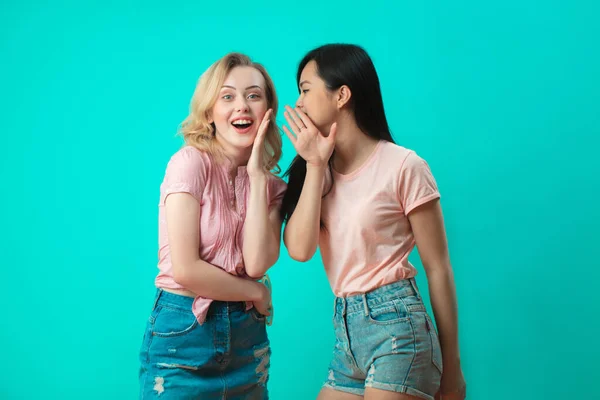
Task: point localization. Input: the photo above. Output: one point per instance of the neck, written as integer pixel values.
(237, 157)
(352, 146)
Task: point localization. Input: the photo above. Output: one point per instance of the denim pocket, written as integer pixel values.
(258, 317)
(169, 322)
(389, 312)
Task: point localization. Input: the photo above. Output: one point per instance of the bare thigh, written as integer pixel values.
(378, 394)
(330, 394)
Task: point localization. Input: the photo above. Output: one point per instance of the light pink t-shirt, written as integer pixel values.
(223, 202)
(367, 237)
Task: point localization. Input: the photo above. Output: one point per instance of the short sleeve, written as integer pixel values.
(276, 191)
(186, 173)
(417, 185)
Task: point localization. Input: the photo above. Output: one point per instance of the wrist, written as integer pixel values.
(259, 179)
(320, 168)
(259, 292)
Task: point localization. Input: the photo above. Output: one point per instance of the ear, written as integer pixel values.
(343, 96)
(209, 117)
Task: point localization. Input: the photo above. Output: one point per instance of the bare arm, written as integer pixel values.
(262, 230)
(301, 233)
(428, 227)
(196, 275)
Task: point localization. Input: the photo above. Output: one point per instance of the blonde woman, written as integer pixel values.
(219, 232)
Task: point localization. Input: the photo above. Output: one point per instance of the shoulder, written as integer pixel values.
(404, 159)
(396, 154)
(189, 160)
(190, 155)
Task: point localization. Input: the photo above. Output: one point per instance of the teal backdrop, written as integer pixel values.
(501, 98)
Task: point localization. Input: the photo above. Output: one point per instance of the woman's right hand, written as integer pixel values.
(263, 305)
(309, 142)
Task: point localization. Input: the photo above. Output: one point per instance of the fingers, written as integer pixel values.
(264, 311)
(293, 120)
(290, 135)
(262, 129)
(332, 132)
(304, 118)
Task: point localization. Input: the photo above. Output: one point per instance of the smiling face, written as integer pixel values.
(239, 109)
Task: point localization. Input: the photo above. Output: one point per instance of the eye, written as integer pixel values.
(305, 90)
(227, 97)
(254, 96)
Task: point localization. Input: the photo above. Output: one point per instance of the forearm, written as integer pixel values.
(261, 240)
(443, 300)
(302, 231)
(212, 282)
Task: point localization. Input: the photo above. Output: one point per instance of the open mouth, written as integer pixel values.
(242, 125)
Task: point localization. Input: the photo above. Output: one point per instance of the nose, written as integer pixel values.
(241, 105)
(299, 102)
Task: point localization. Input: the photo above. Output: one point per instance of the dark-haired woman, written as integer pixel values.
(366, 202)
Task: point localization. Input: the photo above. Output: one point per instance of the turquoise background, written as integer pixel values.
(501, 98)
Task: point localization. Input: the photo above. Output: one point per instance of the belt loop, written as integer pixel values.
(364, 296)
(344, 306)
(413, 283)
(158, 293)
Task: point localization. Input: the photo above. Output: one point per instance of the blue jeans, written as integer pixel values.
(385, 340)
(227, 357)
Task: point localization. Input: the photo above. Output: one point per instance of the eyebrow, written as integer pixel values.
(303, 82)
(248, 88)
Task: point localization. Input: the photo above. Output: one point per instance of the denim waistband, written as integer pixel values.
(362, 302)
(167, 299)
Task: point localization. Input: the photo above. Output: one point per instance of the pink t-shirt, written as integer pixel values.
(223, 202)
(367, 237)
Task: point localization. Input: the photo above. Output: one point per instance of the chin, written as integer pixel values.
(244, 142)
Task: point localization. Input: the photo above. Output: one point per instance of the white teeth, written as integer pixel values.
(242, 122)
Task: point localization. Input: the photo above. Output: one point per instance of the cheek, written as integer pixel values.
(220, 114)
(320, 108)
(260, 109)
(316, 102)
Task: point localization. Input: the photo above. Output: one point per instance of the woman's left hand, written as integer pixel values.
(255, 166)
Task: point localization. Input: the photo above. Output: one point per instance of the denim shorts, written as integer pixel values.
(227, 357)
(385, 340)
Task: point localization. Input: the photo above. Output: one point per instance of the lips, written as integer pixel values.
(242, 125)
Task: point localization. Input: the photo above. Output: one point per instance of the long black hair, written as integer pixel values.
(338, 65)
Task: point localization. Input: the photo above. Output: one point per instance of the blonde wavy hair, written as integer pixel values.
(196, 129)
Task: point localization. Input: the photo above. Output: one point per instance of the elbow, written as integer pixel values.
(253, 270)
(300, 258)
(180, 275)
(300, 255)
(256, 269)
(299, 250)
